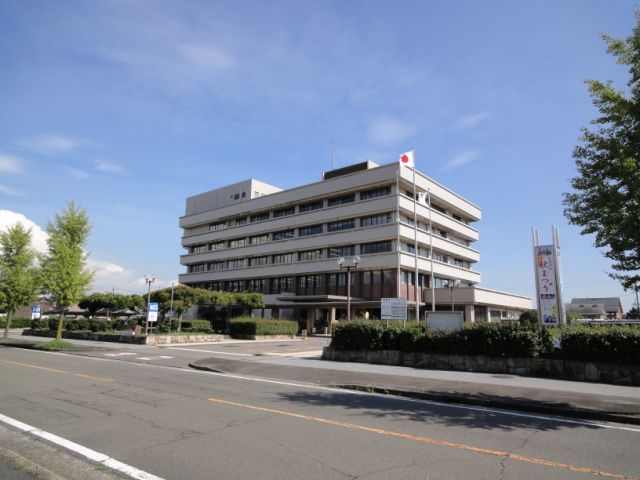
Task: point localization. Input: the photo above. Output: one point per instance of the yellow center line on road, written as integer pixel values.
(64, 372)
(431, 441)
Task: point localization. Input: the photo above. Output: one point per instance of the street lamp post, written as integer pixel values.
(355, 260)
(149, 279)
(173, 284)
(452, 284)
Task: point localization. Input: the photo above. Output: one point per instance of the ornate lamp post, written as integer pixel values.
(342, 263)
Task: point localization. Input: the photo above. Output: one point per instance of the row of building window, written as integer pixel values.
(424, 252)
(302, 208)
(436, 231)
(440, 209)
(317, 281)
(368, 221)
(291, 257)
(301, 282)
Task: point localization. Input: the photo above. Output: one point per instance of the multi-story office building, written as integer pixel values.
(255, 237)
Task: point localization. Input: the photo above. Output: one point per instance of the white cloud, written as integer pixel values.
(75, 173)
(205, 57)
(388, 131)
(51, 144)
(460, 159)
(4, 190)
(471, 120)
(107, 275)
(9, 164)
(38, 235)
(109, 167)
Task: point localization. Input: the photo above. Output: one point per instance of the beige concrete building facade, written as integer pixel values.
(251, 236)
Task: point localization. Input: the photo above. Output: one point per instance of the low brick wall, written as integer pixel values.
(195, 338)
(246, 336)
(616, 373)
(97, 337)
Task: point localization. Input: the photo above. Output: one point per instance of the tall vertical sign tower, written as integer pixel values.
(546, 260)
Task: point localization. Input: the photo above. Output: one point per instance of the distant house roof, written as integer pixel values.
(611, 304)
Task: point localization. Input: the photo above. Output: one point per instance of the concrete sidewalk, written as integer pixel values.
(572, 399)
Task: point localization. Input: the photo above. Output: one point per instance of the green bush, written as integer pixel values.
(40, 324)
(18, 322)
(620, 344)
(102, 325)
(494, 340)
(76, 324)
(194, 326)
(258, 326)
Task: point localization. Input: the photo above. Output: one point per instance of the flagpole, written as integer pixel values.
(415, 240)
(433, 284)
(398, 247)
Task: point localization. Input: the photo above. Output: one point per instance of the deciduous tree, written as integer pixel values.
(19, 280)
(65, 274)
(606, 196)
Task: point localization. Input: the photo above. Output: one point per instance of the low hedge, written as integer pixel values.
(494, 340)
(620, 344)
(258, 326)
(18, 322)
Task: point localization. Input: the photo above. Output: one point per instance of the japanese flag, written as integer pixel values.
(407, 159)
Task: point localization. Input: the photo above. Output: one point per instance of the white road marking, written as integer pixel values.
(81, 450)
(211, 351)
(310, 386)
(119, 354)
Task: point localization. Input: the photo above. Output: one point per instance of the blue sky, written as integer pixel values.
(128, 107)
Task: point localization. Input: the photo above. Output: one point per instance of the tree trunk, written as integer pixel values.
(180, 322)
(8, 325)
(60, 320)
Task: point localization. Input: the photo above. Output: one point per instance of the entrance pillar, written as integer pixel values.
(311, 315)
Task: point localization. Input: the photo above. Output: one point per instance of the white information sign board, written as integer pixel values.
(393, 308)
(36, 312)
(153, 312)
(547, 284)
(447, 321)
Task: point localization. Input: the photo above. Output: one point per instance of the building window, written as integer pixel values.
(237, 242)
(259, 239)
(310, 255)
(341, 200)
(199, 248)
(237, 263)
(217, 286)
(440, 258)
(218, 246)
(256, 285)
(213, 266)
(258, 261)
(438, 282)
(407, 277)
(375, 193)
(284, 212)
(380, 219)
(217, 226)
(343, 251)
(235, 286)
(437, 208)
(309, 230)
(458, 263)
(341, 225)
(376, 247)
(200, 267)
(457, 217)
(283, 235)
(282, 284)
(241, 221)
(387, 276)
(308, 207)
(260, 217)
(283, 258)
(310, 281)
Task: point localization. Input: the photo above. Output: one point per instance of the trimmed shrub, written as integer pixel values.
(259, 326)
(620, 344)
(18, 322)
(101, 325)
(75, 324)
(203, 326)
(40, 324)
(494, 340)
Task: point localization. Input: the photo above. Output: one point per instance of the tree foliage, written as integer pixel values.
(65, 275)
(606, 200)
(110, 301)
(19, 280)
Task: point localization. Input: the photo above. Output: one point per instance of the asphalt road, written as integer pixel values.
(178, 423)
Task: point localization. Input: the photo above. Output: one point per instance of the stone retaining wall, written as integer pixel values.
(622, 374)
(96, 337)
(247, 336)
(171, 339)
